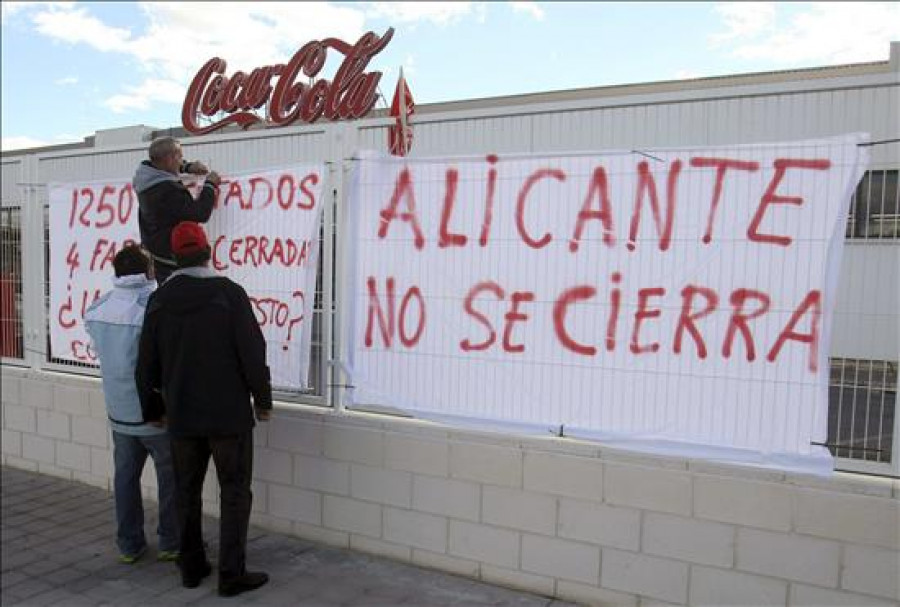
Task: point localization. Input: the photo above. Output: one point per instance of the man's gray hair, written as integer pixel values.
(162, 147)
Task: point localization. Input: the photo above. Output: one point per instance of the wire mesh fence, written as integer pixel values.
(11, 341)
(875, 207)
(862, 406)
(863, 384)
(862, 394)
(315, 389)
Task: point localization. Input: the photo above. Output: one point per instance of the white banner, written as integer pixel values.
(264, 232)
(676, 297)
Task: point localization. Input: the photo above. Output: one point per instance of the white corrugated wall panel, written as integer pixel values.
(90, 165)
(229, 155)
(12, 181)
(455, 137)
(866, 324)
(258, 151)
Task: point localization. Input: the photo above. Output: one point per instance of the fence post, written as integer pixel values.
(34, 303)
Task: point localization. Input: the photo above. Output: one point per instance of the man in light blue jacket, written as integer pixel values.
(114, 323)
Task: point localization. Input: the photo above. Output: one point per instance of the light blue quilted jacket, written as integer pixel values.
(114, 323)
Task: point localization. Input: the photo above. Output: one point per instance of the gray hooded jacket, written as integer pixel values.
(163, 203)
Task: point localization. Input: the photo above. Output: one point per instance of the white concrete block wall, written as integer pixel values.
(323, 475)
(352, 516)
(609, 526)
(711, 586)
(561, 559)
(485, 544)
(453, 498)
(743, 502)
(688, 539)
(375, 484)
(554, 516)
(11, 442)
(516, 579)
(648, 576)
(795, 557)
(415, 529)
(872, 571)
(564, 475)
(294, 504)
(90, 431)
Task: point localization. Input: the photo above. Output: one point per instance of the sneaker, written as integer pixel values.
(251, 580)
(167, 556)
(131, 559)
(193, 582)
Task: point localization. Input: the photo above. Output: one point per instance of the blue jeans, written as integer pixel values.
(129, 455)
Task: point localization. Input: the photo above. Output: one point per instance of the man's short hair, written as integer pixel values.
(132, 259)
(198, 258)
(162, 147)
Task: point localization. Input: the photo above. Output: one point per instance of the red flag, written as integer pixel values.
(400, 135)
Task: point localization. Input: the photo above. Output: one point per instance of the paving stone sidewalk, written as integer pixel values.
(58, 548)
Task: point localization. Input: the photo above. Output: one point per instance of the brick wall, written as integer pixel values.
(555, 516)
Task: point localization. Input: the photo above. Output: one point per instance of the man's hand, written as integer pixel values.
(213, 178)
(263, 415)
(197, 168)
(158, 423)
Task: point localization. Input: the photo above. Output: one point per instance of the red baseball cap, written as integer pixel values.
(188, 238)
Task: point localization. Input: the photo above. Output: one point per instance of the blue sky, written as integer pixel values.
(71, 68)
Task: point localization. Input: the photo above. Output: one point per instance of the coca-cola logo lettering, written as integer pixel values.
(351, 94)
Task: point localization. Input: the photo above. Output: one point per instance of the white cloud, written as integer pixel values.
(66, 81)
(441, 13)
(25, 142)
(820, 33)
(744, 19)
(530, 8)
(74, 25)
(142, 96)
(687, 75)
(389, 77)
(8, 9)
(183, 35)
(409, 66)
(480, 12)
(180, 37)
(19, 143)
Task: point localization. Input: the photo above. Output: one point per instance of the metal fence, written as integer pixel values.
(70, 365)
(313, 394)
(875, 207)
(862, 407)
(863, 392)
(862, 395)
(862, 421)
(11, 342)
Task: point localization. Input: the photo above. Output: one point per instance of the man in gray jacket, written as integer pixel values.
(114, 323)
(163, 201)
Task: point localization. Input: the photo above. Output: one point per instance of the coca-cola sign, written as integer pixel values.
(351, 94)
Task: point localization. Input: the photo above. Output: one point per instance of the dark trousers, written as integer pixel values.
(233, 457)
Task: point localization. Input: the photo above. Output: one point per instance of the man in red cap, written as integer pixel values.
(202, 348)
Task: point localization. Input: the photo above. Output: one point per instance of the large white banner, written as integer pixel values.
(672, 297)
(264, 232)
